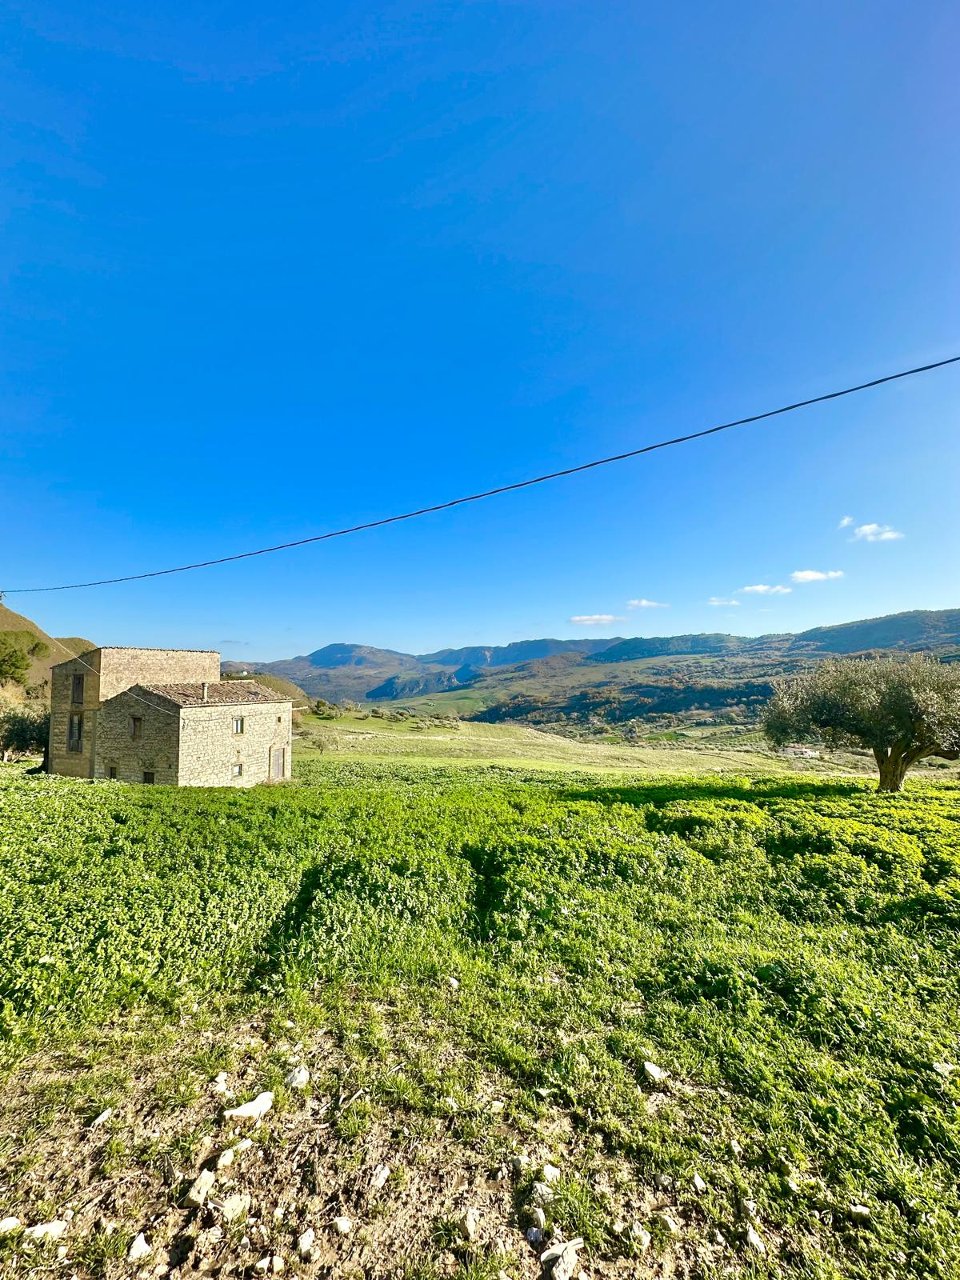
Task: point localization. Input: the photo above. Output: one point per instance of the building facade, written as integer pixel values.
(165, 716)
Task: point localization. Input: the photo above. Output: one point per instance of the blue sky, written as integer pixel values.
(267, 274)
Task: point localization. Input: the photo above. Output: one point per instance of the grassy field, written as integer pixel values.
(723, 1007)
(446, 741)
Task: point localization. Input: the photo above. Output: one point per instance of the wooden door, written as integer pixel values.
(278, 762)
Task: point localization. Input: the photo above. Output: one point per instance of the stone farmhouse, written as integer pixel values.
(165, 716)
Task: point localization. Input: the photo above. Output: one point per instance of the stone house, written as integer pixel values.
(165, 716)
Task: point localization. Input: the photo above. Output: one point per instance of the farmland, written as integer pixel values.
(475, 964)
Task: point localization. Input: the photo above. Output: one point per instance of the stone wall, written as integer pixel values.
(155, 750)
(106, 673)
(209, 748)
(71, 763)
(122, 668)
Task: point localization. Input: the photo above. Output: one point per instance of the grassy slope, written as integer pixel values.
(366, 737)
(785, 948)
(59, 648)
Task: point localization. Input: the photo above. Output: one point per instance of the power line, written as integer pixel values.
(491, 493)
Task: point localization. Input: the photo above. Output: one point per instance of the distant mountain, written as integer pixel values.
(560, 670)
(506, 655)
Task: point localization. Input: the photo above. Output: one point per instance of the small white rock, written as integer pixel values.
(541, 1193)
(640, 1237)
(305, 1244)
(654, 1073)
(243, 1145)
(735, 1147)
(62, 1252)
(945, 1069)
(754, 1242)
(46, 1230)
(219, 1082)
(860, 1212)
(9, 1225)
(469, 1224)
(453, 984)
(256, 1109)
(269, 1264)
(102, 1118)
(698, 1184)
(519, 1163)
(67, 1215)
(234, 1207)
(298, 1078)
(200, 1189)
(550, 1173)
(139, 1249)
(380, 1175)
(538, 1217)
(343, 1224)
(670, 1224)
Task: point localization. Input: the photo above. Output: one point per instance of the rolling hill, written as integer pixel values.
(613, 680)
(54, 648)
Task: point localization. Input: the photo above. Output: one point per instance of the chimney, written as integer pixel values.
(203, 691)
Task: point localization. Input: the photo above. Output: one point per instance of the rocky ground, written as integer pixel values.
(140, 1153)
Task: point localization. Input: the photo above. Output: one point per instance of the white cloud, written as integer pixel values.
(717, 601)
(646, 604)
(762, 589)
(594, 619)
(845, 523)
(816, 575)
(875, 533)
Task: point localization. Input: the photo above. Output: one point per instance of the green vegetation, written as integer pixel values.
(17, 648)
(903, 710)
(785, 948)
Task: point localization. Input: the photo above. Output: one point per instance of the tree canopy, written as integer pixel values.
(903, 709)
(16, 650)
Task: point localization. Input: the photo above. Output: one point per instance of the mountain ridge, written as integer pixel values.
(366, 673)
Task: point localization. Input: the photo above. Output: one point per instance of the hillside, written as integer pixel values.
(604, 681)
(58, 649)
(702, 1026)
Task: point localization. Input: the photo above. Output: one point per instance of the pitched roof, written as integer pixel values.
(224, 693)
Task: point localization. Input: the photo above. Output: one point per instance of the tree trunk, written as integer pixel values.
(893, 770)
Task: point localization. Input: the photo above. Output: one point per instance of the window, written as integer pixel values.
(112, 773)
(136, 727)
(76, 690)
(238, 724)
(149, 775)
(75, 732)
(237, 770)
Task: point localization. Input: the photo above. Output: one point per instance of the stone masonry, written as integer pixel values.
(164, 716)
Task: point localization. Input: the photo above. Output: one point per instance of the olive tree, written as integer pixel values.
(901, 709)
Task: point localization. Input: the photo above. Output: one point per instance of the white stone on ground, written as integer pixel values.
(654, 1073)
(9, 1225)
(256, 1109)
(46, 1230)
(550, 1173)
(380, 1175)
(542, 1193)
(139, 1249)
(305, 1244)
(698, 1184)
(860, 1212)
(200, 1189)
(235, 1207)
(469, 1224)
(102, 1118)
(343, 1224)
(754, 1241)
(298, 1078)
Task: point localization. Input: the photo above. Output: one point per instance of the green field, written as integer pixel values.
(474, 964)
(447, 741)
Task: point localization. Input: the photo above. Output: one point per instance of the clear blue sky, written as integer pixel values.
(269, 272)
